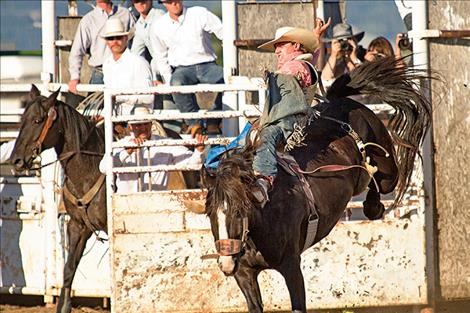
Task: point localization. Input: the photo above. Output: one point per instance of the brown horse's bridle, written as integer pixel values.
(227, 247)
(51, 116)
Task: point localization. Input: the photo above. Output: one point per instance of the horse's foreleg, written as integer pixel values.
(290, 270)
(78, 235)
(373, 208)
(246, 278)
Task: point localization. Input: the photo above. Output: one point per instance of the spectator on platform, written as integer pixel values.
(141, 131)
(88, 40)
(181, 41)
(141, 41)
(379, 48)
(346, 54)
(123, 69)
(142, 46)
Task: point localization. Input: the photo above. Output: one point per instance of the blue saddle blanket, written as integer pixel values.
(214, 154)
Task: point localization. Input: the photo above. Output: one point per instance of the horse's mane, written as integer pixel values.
(397, 85)
(233, 177)
(78, 127)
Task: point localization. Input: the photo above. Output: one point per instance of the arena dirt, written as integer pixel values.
(43, 309)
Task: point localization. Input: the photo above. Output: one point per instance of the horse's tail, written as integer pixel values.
(391, 82)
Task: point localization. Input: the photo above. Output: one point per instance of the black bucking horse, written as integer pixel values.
(249, 239)
(79, 144)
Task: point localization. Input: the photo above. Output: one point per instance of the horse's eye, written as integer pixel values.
(38, 120)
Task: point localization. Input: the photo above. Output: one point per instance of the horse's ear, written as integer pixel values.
(51, 100)
(33, 93)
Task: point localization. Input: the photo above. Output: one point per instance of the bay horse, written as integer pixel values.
(79, 144)
(249, 239)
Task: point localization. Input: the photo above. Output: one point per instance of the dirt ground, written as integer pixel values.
(43, 309)
(35, 304)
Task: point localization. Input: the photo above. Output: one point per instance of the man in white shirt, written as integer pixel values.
(141, 42)
(182, 47)
(88, 40)
(124, 69)
(141, 131)
(141, 46)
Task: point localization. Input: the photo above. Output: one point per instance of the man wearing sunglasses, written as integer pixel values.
(181, 40)
(123, 69)
(88, 41)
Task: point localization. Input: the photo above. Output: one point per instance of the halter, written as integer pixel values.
(227, 247)
(51, 116)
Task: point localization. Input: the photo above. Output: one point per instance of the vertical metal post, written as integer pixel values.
(138, 158)
(108, 132)
(47, 75)
(421, 60)
(48, 38)
(229, 21)
(149, 157)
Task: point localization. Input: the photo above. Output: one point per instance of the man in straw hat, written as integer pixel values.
(296, 50)
(88, 41)
(123, 69)
(345, 55)
(141, 131)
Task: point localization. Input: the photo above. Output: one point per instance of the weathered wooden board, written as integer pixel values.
(451, 58)
(260, 21)
(156, 262)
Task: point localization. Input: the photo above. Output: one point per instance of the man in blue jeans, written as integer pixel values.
(181, 42)
(296, 51)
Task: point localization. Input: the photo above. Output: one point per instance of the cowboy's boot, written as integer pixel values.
(260, 190)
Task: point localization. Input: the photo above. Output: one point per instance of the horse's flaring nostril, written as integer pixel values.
(19, 164)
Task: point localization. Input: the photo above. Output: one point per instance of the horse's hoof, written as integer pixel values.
(375, 211)
(65, 301)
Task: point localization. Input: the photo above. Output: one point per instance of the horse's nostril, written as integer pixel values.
(19, 163)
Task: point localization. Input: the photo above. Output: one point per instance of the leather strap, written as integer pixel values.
(51, 116)
(83, 202)
(288, 163)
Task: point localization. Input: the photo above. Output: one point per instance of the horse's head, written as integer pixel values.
(38, 129)
(229, 206)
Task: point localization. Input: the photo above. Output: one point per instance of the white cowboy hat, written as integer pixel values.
(292, 34)
(114, 27)
(141, 111)
(343, 31)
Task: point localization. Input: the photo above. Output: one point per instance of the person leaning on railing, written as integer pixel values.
(141, 45)
(88, 41)
(181, 41)
(141, 131)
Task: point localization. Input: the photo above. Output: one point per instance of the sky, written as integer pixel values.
(20, 20)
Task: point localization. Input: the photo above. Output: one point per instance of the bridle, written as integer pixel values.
(228, 247)
(51, 116)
